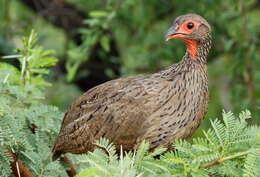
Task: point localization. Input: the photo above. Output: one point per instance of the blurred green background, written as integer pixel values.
(100, 40)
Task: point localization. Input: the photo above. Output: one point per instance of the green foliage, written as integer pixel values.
(27, 127)
(99, 22)
(107, 163)
(228, 148)
(33, 62)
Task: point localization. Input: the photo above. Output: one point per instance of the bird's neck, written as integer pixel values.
(189, 62)
(197, 51)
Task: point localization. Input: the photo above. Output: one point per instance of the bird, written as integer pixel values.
(158, 108)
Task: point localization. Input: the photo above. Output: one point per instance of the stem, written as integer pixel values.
(23, 70)
(221, 160)
(18, 167)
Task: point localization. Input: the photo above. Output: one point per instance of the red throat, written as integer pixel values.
(191, 47)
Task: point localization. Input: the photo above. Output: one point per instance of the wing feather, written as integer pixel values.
(117, 110)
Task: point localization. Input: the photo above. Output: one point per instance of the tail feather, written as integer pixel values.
(55, 152)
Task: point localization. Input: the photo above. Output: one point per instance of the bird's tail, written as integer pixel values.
(56, 153)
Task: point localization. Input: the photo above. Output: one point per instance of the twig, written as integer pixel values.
(221, 160)
(10, 56)
(18, 168)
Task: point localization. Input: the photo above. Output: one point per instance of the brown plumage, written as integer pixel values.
(159, 108)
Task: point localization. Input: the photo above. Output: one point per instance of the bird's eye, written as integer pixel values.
(190, 25)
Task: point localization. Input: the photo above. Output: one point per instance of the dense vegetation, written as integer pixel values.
(120, 38)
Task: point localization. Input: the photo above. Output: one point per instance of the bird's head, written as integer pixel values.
(192, 29)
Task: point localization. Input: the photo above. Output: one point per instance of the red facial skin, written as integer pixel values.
(183, 30)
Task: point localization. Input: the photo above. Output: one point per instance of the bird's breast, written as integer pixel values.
(181, 115)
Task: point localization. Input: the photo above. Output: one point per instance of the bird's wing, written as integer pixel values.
(116, 110)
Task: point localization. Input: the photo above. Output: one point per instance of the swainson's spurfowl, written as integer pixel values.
(158, 108)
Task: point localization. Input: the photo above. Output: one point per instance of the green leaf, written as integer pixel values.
(104, 41)
(98, 13)
(87, 172)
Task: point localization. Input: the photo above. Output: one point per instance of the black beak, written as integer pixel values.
(171, 31)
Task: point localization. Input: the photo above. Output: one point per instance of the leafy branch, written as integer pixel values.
(221, 160)
(34, 62)
(24, 153)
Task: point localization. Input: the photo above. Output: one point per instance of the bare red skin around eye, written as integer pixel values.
(184, 26)
(190, 43)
